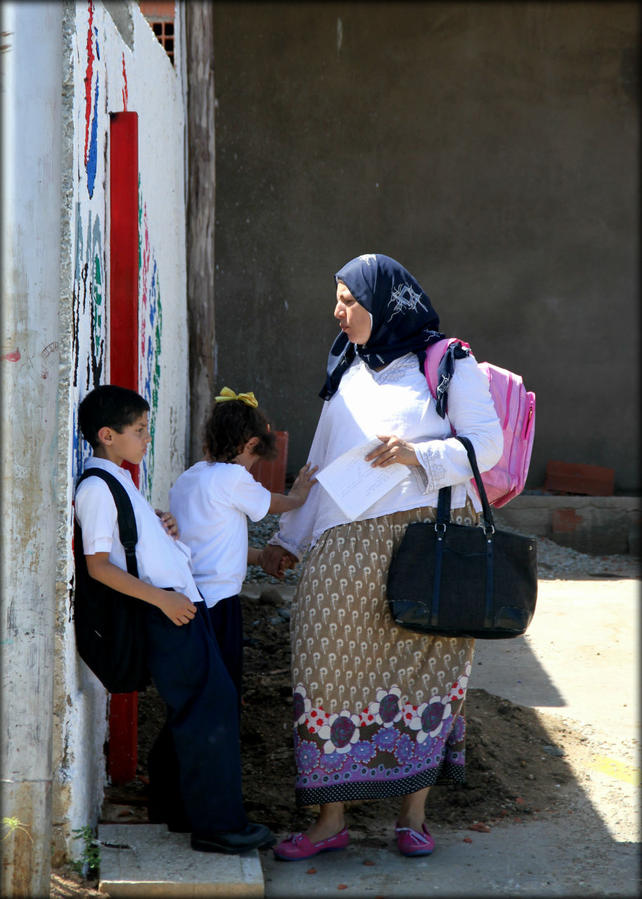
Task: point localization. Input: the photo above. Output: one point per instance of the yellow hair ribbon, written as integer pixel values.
(227, 394)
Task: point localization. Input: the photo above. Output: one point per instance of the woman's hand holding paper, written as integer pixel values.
(392, 449)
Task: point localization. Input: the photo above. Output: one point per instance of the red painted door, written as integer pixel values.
(123, 363)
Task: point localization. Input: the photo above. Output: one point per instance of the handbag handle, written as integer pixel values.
(443, 504)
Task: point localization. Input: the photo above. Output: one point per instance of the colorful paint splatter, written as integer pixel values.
(88, 316)
(89, 322)
(92, 92)
(150, 330)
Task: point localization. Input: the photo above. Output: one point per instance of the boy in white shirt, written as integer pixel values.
(204, 794)
(212, 501)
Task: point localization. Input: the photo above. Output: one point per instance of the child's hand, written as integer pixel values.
(178, 608)
(280, 502)
(274, 560)
(169, 523)
(304, 482)
(287, 561)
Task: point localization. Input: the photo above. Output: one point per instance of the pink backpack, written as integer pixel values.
(516, 410)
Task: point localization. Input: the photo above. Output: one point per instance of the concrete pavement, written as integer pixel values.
(579, 662)
(583, 640)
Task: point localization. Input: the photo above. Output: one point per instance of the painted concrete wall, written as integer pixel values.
(113, 62)
(65, 68)
(490, 147)
(31, 116)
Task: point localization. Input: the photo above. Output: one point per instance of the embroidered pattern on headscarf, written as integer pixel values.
(404, 297)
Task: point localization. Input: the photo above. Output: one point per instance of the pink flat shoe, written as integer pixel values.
(410, 842)
(298, 846)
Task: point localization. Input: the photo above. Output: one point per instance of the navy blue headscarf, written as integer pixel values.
(403, 320)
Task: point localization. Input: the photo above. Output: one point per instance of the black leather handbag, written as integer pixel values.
(462, 581)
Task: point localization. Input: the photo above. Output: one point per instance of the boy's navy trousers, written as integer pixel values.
(201, 736)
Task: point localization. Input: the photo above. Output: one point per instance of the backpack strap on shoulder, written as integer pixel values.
(440, 366)
(125, 511)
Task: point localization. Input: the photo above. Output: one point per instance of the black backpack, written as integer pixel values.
(109, 625)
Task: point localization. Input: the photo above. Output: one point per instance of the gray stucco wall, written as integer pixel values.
(491, 148)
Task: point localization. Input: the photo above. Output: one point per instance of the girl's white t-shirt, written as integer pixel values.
(211, 502)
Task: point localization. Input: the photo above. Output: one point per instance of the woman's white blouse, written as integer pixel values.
(397, 401)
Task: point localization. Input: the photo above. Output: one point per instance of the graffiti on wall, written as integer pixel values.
(88, 300)
(125, 89)
(150, 332)
(89, 290)
(101, 82)
(88, 314)
(92, 91)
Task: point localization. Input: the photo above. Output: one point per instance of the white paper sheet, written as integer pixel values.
(354, 484)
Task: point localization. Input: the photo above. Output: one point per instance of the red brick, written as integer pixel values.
(565, 521)
(272, 474)
(577, 478)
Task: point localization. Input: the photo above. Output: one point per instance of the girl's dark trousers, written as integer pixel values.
(195, 764)
(227, 623)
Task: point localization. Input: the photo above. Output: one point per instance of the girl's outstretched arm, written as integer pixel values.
(298, 494)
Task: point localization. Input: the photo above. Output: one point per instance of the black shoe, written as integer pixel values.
(253, 836)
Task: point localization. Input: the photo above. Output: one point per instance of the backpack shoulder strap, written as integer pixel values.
(438, 369)
(125, 511)
(434, 355)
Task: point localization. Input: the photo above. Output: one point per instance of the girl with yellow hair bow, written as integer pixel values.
(212, 501)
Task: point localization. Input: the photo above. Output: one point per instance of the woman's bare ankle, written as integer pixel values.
(413, 821)
(412, 810)
(330, 821)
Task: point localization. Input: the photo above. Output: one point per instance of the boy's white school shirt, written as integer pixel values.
(162, 560)
(211, 503)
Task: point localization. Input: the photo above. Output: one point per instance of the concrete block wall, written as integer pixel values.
(600, 525)
(493, 148)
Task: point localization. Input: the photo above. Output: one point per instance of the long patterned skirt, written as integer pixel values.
(377, 708)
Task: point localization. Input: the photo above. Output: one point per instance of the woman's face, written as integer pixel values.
(354, 320)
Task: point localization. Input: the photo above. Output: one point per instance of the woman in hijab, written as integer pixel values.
(378, 710)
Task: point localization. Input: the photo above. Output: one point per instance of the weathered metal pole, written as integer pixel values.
(31, 77)
(199, 52)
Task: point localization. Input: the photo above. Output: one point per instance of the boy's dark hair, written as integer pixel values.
(230, 425)
(109, 406)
